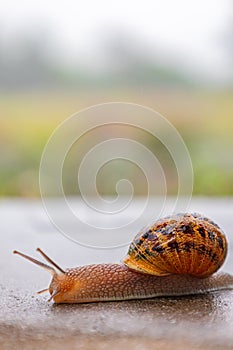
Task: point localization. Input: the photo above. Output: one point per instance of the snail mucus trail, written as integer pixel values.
(177, 255)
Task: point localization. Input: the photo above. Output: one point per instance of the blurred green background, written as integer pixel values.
(57, 59)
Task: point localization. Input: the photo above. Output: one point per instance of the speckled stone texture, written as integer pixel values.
(28, 321)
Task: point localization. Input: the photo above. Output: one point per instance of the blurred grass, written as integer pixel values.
(203, 118)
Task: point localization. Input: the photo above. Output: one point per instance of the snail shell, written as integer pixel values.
(178, 244)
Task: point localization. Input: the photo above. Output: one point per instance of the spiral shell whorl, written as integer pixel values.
(178, 244)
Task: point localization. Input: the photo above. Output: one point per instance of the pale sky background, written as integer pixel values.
(189, 32)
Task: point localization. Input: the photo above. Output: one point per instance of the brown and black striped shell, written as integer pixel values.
(179, 244)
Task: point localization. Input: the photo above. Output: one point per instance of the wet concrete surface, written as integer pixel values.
(28, 321)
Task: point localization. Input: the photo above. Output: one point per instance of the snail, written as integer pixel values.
(177, 255)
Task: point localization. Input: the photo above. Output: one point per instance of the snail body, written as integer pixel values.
(176, 256)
